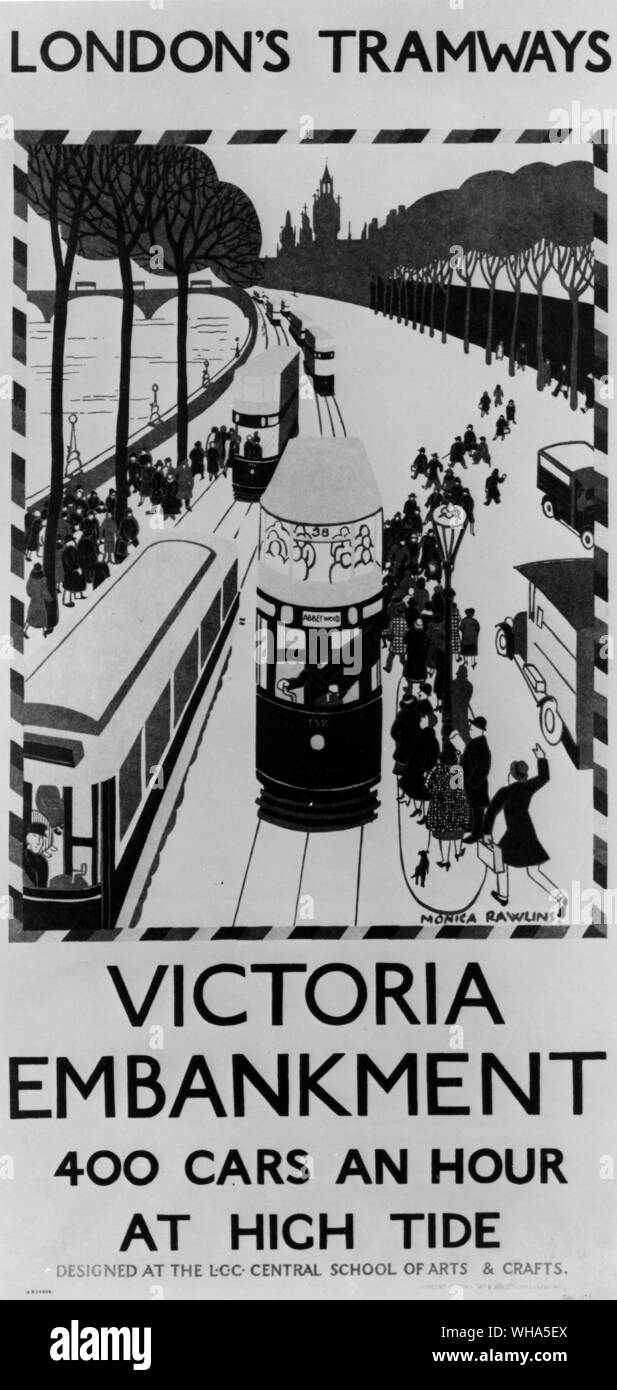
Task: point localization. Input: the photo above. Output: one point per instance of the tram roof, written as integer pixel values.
(265, 366)
(86, 677)
(322, 481)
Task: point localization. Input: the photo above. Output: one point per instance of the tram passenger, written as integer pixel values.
(324, 683)
(35, 862)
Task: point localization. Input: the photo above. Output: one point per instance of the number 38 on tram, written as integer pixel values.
(319, 619)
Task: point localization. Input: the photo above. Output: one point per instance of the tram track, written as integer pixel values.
(309, 883)
(336, 431)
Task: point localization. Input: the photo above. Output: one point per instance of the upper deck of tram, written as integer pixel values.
(258, 383)
(321, 481)
(132, 638)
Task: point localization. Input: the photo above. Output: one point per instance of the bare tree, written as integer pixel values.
(124, 199)
(516, 266)
(198, 222)
(60, 189)
(538, 266)
(574, 266)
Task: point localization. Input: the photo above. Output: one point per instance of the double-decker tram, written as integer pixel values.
(319, 620)
(294, 323)
(319, 358)
(274, 310)
(112, 719)
(265, 416)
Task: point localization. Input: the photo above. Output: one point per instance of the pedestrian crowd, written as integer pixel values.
(90, 536)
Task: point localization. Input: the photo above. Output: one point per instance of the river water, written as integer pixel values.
(92, 369)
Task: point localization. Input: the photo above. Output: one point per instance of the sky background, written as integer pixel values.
(370, 179)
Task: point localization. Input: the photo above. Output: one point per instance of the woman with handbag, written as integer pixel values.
(520, 846)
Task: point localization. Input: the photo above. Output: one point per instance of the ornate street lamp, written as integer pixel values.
(449, 524)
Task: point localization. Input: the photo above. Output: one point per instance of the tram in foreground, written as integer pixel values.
(319, 620)
(106, 754)
(265, 416)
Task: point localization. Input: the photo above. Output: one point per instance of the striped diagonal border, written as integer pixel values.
(18, 502)
(601, 549)
(299, 135)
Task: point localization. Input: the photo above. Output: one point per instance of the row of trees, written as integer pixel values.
(516, 226)
(162, 208)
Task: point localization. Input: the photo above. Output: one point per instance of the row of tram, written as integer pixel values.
(317, 348)
(316, 345)
(319, 619)
(105, 760)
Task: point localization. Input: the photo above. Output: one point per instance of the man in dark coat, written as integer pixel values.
(197, 457)
(457, 451)
(476, 765)
(128, 535)
(520, 846)
(433, 468)
(35, 864)
(492, 487)
(419, 463)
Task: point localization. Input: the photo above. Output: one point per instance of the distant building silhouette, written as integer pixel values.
(288, 234)
(326, 210)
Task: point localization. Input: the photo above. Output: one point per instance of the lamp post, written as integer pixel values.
(450, 524)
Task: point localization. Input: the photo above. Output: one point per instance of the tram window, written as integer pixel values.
(376, 675)
(262, 652)
(320, 668)
(129, 786)
(82, 853)
(290, 664)
(209, 627)
(230, 588)
(158, 729)
(185, 677)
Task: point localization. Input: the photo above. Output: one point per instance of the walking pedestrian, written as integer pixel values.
(492, 488)
(520, 846)
(476, 765)
(470, 632)
(39, 595)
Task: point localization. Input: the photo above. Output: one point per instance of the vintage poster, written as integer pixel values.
(308, 911)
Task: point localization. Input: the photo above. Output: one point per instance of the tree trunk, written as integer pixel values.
(183, 323)
(422, 306)
(467, 316)
(406, 294)
(540, 340)
(432, 323)
(574, 352)
(122, 417)
(56, 482)
(512, 358)
(415, 304)
(444, 325)
(488, 350)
